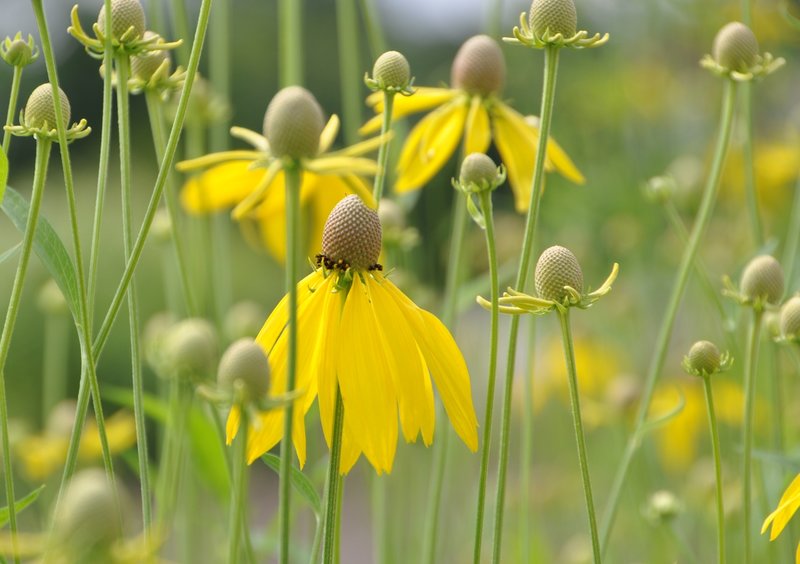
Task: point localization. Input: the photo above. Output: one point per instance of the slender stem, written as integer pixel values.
(712, 423)
(180, 24)
(383, 151)
(290, 37)
(238, 516)
(380, 531)
(349, 68)
(751, 195)
(124, 130)
(790, 249)
(486, 208)
(171, 460)
(680, 541)
(55, 358)
(668, 322)
(12, 107)
(332, 501)
(751, 367)
(548, 100)
(377, 42)
(495, 17)
(293, 176)
(526, 449)
(39, 177)
(569, 355)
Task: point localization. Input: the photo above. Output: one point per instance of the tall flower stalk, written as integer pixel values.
(18, 53)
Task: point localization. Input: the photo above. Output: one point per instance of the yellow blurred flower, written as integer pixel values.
(776, 165)
(471, 111)
(787, 507)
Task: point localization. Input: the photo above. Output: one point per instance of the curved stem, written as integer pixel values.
(12, 107)
(39, 176)
(124, 130)
(486, 208)
(751, 195)
(238, 515)
(548, 100)
(383, 151)
(290, 38)
(751, 367)
(332, 500)
(293, 176)
(712, 423)
(569, 356)
(349, 68)
(668, 322)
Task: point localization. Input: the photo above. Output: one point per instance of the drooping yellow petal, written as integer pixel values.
(368, 395)
(787, 507)
(277, 320)
(430, 144)
(232, 425)
(257, 195)
(409, 375)
(328, 135)
(423, 99)
(350, 454)
(342, 165)
(447, 366)
(120, 434)
(558, 159)
(220, 187)
(477, 134)
(516, 144)
(324, 357)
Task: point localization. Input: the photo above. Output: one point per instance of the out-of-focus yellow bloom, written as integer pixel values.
(777, 166)
(787, 507)
(471, 112)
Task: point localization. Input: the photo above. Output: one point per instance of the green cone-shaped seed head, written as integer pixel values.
(557, 267)
(790, 319)
(293, 123)
(391, 70)
(557, 16)
(245, 362)
(479, 66)
(191, 347)
(124, 14)
(87, 516)
(704, 357)
(40, 108)
(146, 63)
(763, 279)
(352, 234)
(478, 169)
(735, 47)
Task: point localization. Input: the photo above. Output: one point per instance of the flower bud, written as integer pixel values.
(479, 66)
(191, 347)
(352, 234)
(392, 216)
(145, 64)
(762, 279)
(124, 15)
(50, 299)
(40, 108)
(245, 363)
(479, 171)
(704, 358)
(557, 267)
(391, 70)
(293, 123)
(553, 16)
(790, 319)
(154, 341)
(243, 319)
(17, 52)
(663, 506)
(735, 47)
(87, 521)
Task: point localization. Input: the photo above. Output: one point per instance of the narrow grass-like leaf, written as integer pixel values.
(300, 481)
(3, 173)
(20, 504)
(48, 246)
(10, 253)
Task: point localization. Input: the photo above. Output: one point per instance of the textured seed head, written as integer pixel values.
(245, 362)
(352, 234)
(293, 123)
(479, 66)
(478, 169)
(192, 347)
(557, 267)
(763, 279)
(790, 319)
(244, 319)
(50, 300)
(87, 515)
(124, 14)
(704, 356)
(391, 69)
(735, 47)
(40, 108)
(146, 63)
(557, 16)
(17, 52)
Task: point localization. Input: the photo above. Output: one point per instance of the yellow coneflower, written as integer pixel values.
(787, 507)
(471, 110)
(358, 331)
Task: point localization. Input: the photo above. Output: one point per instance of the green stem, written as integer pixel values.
(12, 107)
(569, 356)
(55, 359)
(712, 423)
(349, 68)
(548, 100)
(486, 208)
(668, 322)
(290, 37)
(39, 177)
(683, 546)
(790, 249)
(180, 23)
(238, 516)
(526, 449)
(171, 458)
(751, 195)
(380, 531)
(156, 113)
(377, 42)
(383, 151)
(293, 176)
(124, 129)
(751, 367)
(332, 500)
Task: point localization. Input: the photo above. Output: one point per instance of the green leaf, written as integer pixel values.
(10, 253)
(3, 173)
(300, 482)
(20, 504)
(48, 247)
(477, 215)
